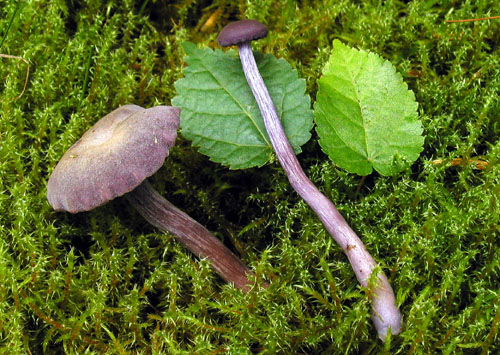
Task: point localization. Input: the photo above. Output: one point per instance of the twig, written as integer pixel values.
(474, 19)
(27, 72)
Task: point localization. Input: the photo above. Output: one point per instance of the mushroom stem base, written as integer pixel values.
(166, 217)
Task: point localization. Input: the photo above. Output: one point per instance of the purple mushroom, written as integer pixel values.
(385, 313)
(114, 158)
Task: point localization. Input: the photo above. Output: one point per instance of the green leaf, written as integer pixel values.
(220, 115)
(365, 115)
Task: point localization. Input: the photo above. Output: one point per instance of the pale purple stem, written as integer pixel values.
(166, 217)
(385, 314)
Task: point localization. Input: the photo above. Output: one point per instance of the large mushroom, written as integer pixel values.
(114, 158)
(385, 315)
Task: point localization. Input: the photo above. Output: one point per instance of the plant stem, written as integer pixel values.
(166, 217)
(385, 313)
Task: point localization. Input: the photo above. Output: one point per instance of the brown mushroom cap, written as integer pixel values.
(113, 157)
(241, 31)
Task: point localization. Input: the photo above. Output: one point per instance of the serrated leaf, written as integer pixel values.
(365, 115)
(220, 115)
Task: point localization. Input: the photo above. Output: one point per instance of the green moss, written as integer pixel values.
(106, 282)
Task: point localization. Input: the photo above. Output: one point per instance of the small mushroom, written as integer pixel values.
(385, 314)
(114, 158)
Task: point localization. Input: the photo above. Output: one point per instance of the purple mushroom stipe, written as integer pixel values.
(385, 313)
(114, 158)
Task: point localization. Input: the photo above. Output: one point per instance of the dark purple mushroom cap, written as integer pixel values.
(113, 157)
(241, 31)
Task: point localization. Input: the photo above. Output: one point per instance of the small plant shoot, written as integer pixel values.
(365, 115)
(220, 115)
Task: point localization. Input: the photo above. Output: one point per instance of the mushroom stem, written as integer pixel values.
(385, 314)
(166, 217)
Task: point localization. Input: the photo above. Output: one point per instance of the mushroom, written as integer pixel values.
(385, 314)
(114, 158)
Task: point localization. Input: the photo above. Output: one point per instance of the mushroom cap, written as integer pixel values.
(113, 157)
(241, 31)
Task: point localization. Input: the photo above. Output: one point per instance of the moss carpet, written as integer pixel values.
(105, 282)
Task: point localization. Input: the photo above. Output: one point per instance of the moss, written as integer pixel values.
(105, 282)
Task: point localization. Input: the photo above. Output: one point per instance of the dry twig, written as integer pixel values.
(27, 71)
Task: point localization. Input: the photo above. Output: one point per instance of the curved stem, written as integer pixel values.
(385, 313)
(165, 216)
